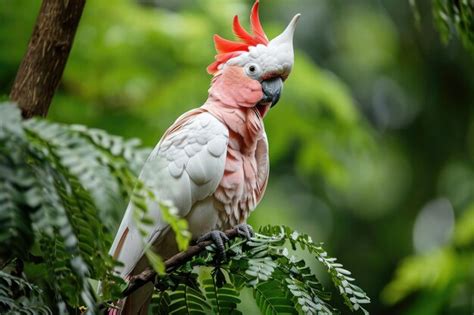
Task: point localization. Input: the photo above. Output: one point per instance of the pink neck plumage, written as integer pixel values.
(232, 98)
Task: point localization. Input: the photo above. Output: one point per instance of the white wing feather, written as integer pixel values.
(185, 167)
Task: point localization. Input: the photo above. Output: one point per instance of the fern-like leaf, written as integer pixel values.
(272, 300)
(224, 299)
(354, 297)
(160, 303)
(186, 300)
(28, 297)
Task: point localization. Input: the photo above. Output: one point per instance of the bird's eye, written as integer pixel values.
(252, 70)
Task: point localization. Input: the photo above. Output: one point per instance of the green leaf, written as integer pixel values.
(155, 261)
(178, 225)
(186, 300)
(271, 299)
(224, 299)
(28, 298)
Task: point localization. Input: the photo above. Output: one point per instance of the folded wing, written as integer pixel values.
(185, 167)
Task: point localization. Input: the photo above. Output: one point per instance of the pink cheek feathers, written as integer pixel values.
(234, 88)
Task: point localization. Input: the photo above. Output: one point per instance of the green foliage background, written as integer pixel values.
(375, 122)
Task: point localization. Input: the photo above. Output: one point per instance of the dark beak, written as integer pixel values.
(272, 90)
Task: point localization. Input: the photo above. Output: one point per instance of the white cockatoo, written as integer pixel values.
(212, 164)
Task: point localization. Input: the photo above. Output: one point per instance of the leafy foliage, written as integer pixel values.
(59, 186)
(18, 296)
(281, 283)
(360, 58)
(453, 15)
(223, 296)
(183, 300)
(438, 275)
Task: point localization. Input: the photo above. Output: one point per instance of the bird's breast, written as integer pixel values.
(243, 182)
(246, 166)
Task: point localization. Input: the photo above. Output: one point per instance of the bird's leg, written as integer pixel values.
(245, 230)
(218, 238)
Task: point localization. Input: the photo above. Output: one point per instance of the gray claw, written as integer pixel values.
(218, 238)
(245, 230)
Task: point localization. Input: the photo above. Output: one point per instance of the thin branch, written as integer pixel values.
(149, 275)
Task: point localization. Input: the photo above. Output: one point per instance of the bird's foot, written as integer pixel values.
(218, 238)
(245, 230)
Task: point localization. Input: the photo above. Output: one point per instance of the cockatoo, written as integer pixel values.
(212, 164)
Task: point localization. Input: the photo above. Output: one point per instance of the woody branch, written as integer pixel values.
(149, 275)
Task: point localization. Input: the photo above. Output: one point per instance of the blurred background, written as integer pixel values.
(371, 145)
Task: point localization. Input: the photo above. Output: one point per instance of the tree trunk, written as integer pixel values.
(43, 65)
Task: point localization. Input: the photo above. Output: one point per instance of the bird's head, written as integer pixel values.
(250, 72)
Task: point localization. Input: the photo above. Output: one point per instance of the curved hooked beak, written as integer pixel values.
(271, 90)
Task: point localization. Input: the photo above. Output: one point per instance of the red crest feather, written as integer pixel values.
(227, 49)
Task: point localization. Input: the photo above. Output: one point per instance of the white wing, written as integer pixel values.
(185, 167)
